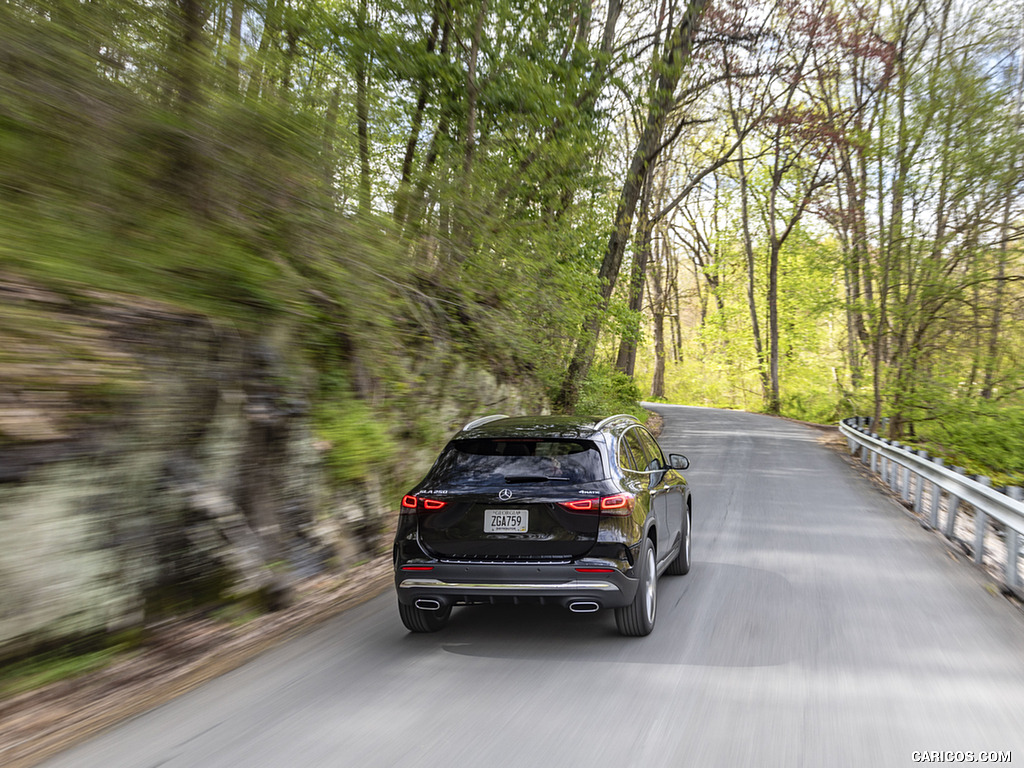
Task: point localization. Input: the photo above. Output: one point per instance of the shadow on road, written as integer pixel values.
(720, 615)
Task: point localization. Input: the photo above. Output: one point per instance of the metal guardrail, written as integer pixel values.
(910, 473)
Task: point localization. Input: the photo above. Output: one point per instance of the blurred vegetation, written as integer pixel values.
(406, 204)
(65, 663)
(415, 185)
(258, 164)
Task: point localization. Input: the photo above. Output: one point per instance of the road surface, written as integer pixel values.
(819, 626)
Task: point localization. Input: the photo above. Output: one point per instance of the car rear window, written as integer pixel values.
(497, 461)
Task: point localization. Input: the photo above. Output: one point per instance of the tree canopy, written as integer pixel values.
(809, 207)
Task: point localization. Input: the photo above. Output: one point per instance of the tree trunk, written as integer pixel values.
(658, 316)
(748, 248)
(676, 53)
(402, 194)
(626, 360)
(235, 45)
(330, 128)
(472, 93)
(271, 28)
(363, 115)
(188, 174)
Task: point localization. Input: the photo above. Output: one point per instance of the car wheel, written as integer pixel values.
(637, 618)
(681, 564)
(417, 620)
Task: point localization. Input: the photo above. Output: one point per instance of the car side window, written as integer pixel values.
(630, 445)
(655, 459)
(626, 460)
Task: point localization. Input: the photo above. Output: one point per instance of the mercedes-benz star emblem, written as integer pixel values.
(504, 494)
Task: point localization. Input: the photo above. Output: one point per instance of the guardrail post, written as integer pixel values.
(1013, 543)
(954, 506)
(980, 524)
(919, 490)
(894, 471)
(906, 481)
(933, 518)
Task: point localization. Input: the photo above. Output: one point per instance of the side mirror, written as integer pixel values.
(676, 461)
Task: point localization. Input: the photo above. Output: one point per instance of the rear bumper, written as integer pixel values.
(469, 583)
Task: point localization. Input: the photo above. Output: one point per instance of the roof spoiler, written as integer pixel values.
(484, 420)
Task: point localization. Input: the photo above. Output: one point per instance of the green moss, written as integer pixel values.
(358, 442)
(65, 663)
(239, 612)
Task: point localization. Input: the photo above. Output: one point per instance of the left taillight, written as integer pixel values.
(414, 504)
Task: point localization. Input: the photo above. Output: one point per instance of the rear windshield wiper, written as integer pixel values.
(533, 478)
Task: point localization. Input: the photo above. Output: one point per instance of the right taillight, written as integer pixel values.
(617, 505)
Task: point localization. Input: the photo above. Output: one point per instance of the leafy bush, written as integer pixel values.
(986, 438)
(607, 391)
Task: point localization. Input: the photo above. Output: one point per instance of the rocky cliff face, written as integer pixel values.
(152, 460)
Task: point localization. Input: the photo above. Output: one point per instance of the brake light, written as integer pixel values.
(620, 503)
(412, 503)
(617, 505)
(582, 505)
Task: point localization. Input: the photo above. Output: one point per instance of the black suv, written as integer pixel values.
(552, 509)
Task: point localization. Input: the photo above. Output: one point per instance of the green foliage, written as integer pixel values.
(985, 437)
(65, 663)
(358, 443)
(607, 390)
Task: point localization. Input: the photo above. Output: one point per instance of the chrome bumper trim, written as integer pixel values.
(567, 586)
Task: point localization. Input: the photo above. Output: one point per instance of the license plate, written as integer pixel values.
(506, 520)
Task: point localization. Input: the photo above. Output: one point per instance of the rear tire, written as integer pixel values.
(417, 620)
(637, 618)
(680, 566)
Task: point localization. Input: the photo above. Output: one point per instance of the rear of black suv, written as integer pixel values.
(521, 509)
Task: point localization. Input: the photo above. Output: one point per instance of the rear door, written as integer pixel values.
(664, 499)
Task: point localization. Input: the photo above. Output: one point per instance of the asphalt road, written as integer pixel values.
(819, 626)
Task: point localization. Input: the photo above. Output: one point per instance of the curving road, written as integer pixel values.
(820, 626)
